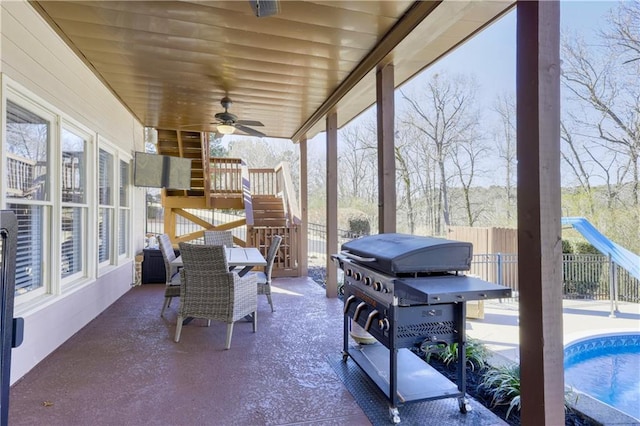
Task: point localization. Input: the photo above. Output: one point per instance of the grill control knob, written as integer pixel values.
(377, 286)
(367, 280)
(348, 272)
(357, 276)
(383, 324)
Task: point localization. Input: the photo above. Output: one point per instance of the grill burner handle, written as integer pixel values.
(370, 319)
(359, 308)
(348, 302)
(356, 257)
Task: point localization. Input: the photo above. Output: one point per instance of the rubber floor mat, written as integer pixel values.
(441, 412)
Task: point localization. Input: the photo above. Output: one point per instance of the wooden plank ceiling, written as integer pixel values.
(172, 62)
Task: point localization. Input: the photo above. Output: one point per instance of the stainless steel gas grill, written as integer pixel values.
(408, 291)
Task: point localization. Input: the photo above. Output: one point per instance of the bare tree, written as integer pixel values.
(574, 158)
(612, 103)
(624, 32)
(444, 114)
(466, 162)
(505, 107)
(357, 159)
(407, 191)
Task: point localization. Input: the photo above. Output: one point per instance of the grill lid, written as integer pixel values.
(402, 253)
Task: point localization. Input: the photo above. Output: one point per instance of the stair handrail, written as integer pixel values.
(206, 167)
(246, 194)
(283, 174)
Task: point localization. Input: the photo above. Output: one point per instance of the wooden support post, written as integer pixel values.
(303, 249)
(332, 203)
(539, 213)
(386, 149)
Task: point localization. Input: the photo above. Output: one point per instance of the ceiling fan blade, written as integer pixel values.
(263, 8)
(250, 131)
(249, 123)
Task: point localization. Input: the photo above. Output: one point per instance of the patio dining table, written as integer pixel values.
(245, 257)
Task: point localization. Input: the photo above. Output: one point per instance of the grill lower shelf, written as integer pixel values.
(416, 379)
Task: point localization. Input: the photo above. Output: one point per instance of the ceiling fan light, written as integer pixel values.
(226, 129)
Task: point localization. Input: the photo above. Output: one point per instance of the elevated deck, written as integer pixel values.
(263, 197)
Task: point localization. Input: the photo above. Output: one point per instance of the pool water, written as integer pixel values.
(607, 368)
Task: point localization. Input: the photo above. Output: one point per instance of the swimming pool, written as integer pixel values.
(607, 367)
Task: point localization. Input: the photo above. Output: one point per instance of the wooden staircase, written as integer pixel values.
(266, 196)
(268, 211)
(186, 145)
(216, 185)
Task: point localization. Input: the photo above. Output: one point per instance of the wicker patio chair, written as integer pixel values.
(218, 238)
(264, 278)
(172, 276)
(210, 291)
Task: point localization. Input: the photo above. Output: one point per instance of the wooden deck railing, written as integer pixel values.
(225, 175)
(20, 175)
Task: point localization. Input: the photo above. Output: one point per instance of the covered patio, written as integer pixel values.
(124, 368)
(107, 70)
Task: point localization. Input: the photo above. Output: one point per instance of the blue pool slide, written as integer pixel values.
(620, 255)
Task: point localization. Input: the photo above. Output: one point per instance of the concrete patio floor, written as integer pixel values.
(124, 368)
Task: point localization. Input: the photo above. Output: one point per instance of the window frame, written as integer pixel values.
(49, 257)
(128, 160)
(104, 145)
(53, 284)
(86, 250)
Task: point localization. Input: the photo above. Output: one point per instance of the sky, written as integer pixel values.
(491, 54)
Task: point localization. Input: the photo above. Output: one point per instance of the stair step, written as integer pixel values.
(270, 223)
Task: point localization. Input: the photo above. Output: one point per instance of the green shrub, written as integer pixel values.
(476, 353)
(359, 226)
(503, 384)
(583, 247)
(567, 247)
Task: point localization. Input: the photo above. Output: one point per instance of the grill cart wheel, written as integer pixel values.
(464, 405)
(394, 415)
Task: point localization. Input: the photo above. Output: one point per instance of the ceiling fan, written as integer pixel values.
(226, 123)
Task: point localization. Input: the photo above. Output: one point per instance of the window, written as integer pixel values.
(105, 207)
(72, 200)
(73, 225)
(28, 192)
(124, 210)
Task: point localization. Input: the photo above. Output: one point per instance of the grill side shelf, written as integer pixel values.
(447, 289)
